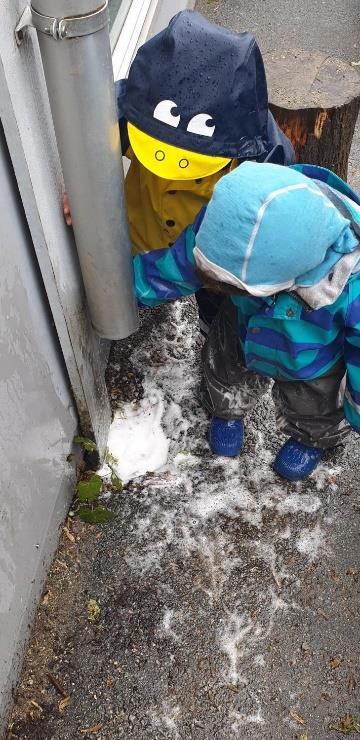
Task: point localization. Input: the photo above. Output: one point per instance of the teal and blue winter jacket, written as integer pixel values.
(297, 334)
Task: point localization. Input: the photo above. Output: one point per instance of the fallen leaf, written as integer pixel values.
(335, 662)
(92, 730)
(86, 443)
(57, 685)
(297, 717)
(322, 614)
(68, 535)
(109, 458)
(62, 564)
(306, 649)
(304, 736)
(211, 695)
(64, 703)
(36, 705)
(93, 610)
(354, 573)
(326, 696)
(346, 725)
(351, 684)
(116, 482)
(99, 515)
(232, 687)
(89, 487)
(46, 597)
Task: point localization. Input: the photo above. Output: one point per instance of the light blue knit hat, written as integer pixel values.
(268, 228)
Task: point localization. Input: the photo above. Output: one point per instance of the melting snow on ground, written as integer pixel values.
(310, 542)
(234, 518)
(137, 440)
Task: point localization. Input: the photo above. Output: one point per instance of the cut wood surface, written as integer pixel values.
(315, 98)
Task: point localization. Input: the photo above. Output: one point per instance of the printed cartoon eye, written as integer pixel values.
(163, 112)
(197, 125)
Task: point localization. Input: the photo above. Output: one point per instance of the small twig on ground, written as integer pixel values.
(92, 730)
(57, 685)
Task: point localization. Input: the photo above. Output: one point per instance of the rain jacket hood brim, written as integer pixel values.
(203, 74)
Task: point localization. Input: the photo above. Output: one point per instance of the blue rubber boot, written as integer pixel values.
(296, 461)
(226, 436)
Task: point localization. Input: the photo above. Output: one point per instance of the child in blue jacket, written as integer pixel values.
(283, 244)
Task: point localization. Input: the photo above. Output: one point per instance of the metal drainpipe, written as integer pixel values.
(75, 48)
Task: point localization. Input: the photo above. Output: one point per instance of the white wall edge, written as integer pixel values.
(144, 19)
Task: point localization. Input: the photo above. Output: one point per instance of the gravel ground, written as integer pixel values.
(228, 599)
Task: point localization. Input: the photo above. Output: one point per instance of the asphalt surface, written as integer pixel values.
(326, 25)
(229, 600)
(332, 26)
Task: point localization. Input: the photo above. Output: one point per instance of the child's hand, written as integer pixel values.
(66, 209)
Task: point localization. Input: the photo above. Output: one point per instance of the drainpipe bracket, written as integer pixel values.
(62, 28)
(23, 24)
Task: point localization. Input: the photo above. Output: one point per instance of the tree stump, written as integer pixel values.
(315, 99)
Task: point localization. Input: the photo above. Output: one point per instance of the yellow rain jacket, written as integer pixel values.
(159, 209)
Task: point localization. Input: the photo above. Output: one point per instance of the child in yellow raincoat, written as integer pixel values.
(194, 105)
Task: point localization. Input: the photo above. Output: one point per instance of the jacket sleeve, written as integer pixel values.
(168, 274)
(352, 355)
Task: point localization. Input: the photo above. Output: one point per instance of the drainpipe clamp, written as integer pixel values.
(62, 28)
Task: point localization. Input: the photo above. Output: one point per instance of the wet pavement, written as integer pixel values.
(228, 599)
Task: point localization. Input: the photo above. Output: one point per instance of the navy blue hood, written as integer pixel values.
(203, 69)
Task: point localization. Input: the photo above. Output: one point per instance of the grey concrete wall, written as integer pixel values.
(27, 122)
(37, 423)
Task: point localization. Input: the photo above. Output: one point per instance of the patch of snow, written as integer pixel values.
(232, 642)
(269, 555)
(168, 616)
(136, 438)
(245, 719)
(166, 627)
(310, 542)
(218, 561)
(285, 533)
(213, 500)
(325, 477)
(186, 458)
(167, 718)
(241, 633)
(299, 502)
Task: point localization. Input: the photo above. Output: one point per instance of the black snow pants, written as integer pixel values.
(208, 306)
(309, 411)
